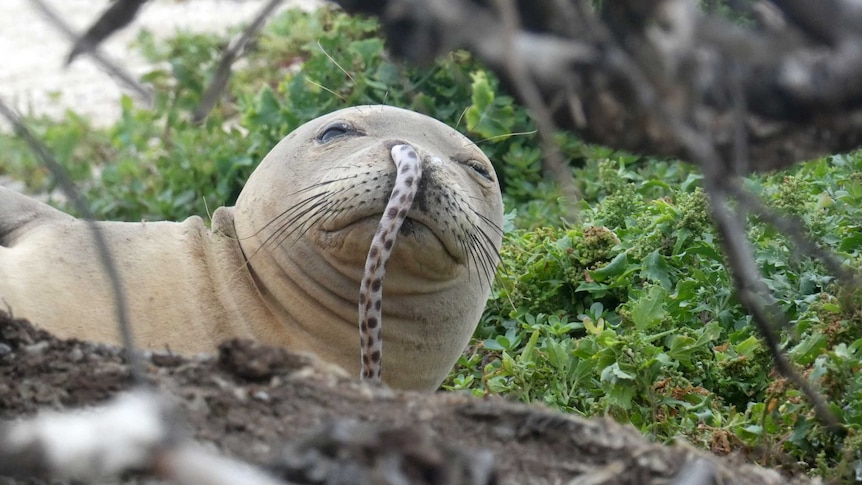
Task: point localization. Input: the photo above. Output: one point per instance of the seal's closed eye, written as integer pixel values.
(481, 170)
(477, 167)
(336, 129)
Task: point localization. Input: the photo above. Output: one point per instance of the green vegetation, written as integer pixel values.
(628, 312)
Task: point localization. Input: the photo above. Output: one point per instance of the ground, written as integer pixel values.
(310, 423)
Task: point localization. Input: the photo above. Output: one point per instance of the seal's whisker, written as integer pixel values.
(330, 212)
(322, 183)
(486, 238)
(489, 245)
(293, 219)
(339, 205)
(320, 217)
(323, 216)
(487, 220)
(490, 223)
(302, 221)
(300, 212)
(283, 214)
(499, 261)
(488, 259)
(465, 248)
(263, 245)
(471, 254)
(492, 252)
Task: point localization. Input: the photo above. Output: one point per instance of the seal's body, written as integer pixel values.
(187, 288)
(285, 265)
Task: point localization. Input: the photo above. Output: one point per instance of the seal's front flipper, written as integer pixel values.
(18, 210)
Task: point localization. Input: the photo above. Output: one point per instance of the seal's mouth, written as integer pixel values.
(416, 230)
(413, 226)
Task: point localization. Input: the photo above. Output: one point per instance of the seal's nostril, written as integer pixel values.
(392, 143)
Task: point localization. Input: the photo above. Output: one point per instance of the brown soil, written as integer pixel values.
(309, 424)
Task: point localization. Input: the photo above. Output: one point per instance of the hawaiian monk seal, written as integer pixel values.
(284, 266)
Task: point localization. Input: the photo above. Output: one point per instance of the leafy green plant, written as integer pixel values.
(651, 333)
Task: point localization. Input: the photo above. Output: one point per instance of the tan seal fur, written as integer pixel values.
(284, 265)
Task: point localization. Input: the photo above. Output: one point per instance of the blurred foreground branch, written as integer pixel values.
(802, 96)
(83, 44)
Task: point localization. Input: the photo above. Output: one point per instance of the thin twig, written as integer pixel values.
(755, 296)
(117, 16)
(753, 293)
(532, 97)
(233, 51)
(793, 227)
(105, 256)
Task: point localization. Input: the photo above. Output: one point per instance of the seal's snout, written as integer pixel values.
(432, 162)
(427, 157)
(390, 144)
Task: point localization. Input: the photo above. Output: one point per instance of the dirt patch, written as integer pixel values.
(312, 424)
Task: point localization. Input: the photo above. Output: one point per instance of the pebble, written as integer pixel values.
(37, 348)
(76, 354)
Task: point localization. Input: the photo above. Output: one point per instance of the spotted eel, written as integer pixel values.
(409, 172)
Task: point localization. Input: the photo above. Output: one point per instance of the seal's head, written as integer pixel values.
(306, 218)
